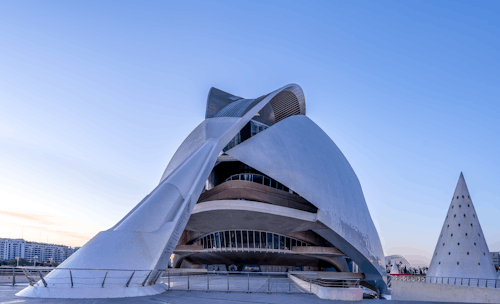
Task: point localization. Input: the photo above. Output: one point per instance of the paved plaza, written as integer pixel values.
(7, 296)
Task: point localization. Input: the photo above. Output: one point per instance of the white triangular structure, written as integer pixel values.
(461, 250)
(394, 269)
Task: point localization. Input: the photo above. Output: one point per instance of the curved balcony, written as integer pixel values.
(259, 179)
(248, 187)
(245, 239)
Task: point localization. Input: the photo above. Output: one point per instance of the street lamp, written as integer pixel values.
(34, 260)
(17, 258)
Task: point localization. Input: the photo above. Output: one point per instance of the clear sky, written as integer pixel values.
(96, 96)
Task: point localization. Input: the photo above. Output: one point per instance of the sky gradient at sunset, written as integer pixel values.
(95, 97)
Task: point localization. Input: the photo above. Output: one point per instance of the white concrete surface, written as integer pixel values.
(330, 293)
(461, 250)
(421, 291)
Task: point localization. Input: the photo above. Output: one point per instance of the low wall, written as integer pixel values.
(330, 293)
(421, 291)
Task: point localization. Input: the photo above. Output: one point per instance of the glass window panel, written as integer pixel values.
(254, 128)
(212, 237)
(262, 240)
(222, 243)
(294, 243)
(250, 239)
(273, 183)
(257, 179)
(282, 242)
(245, 239)
(288, 243)
(226, 238)
(269, 241)
(257, 239)
(233, 239)
(276, 240)
(217, 239)
(238, 238)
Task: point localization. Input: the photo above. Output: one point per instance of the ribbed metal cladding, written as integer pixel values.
(239, 107)
(285, 104)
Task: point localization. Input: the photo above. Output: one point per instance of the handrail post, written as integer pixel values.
(208, 282)
(310, 286)
(227, 281)
(130, 279)
(71, 278)
(248, 290)
(43, 280)
(188, 280)
(168, 274)
(146, 279)
(104, 280)
(13, 276)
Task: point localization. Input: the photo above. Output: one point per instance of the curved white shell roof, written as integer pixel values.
(311, 165)
(297, 153)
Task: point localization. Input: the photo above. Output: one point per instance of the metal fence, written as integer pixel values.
(250, 282)
(74, 278)
(22, 275)
(473, 282)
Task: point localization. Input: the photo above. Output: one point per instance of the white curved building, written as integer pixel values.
(398, 260)
(256, 184)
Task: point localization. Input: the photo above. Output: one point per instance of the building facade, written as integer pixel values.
(256, 185)
(12, 248)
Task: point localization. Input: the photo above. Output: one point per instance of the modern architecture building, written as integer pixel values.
(256, 186)
(398, 260)
(12, 248)
(461, 250)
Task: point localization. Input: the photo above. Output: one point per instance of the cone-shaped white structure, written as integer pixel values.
(394, 269)
(461, 250)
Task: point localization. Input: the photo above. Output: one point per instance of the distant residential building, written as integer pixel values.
(12, 248)
(496, 259)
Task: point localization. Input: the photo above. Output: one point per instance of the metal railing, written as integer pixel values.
(22, 275)
(473, 282)
(259, 179)
(222, 281)
(85, 277)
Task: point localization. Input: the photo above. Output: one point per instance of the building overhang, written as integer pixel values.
(241, 214)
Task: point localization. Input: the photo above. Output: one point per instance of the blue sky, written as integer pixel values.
(96, 96)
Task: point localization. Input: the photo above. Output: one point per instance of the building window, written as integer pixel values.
(245, 239)
(250, 239)
(269, 241)
(238, 239)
